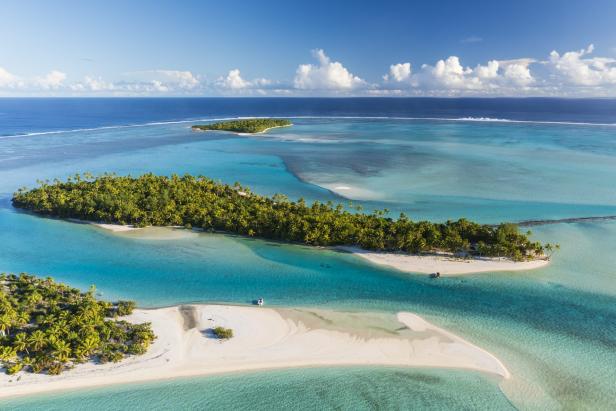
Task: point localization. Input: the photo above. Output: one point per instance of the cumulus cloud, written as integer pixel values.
(92, 84)
(177, 81)
(449, 77)
(517, 72)
(8, 80)
(326, 75)
(52, 81)
(140, 83)
(398, 72)
(577, 68)
(235, 83)
(182, 79)
(572, 73)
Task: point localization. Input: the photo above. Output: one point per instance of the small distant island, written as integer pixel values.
(249, 126)
(48, 327)
(199, 202)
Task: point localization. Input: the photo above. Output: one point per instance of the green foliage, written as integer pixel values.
(202, 203)
(47, 327)
(125, 307)
(253, 125)
(223, 333)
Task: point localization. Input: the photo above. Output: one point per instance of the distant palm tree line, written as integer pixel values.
(151, 200)
(253, 125)
(48, 327)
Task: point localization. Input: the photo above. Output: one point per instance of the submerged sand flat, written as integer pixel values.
(444, 264)
(268, 339)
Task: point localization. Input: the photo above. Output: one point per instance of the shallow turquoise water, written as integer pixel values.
(308, 389)
(553, 328)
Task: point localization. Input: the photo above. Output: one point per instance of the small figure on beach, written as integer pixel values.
(260, 302)
(435, 275)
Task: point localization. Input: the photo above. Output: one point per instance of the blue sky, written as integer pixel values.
(448, 48)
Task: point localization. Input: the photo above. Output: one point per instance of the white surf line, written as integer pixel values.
(156, 123)
(452, 119)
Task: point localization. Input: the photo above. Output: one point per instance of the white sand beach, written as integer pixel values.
(445, 264)
(267, 339)
(116, 227)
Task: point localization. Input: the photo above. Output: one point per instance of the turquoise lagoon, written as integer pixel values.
(306, 389)
(553, 327)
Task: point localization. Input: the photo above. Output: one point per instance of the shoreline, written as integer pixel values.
(260, 132)
(445, 264)
(267, 339)
(239, 133)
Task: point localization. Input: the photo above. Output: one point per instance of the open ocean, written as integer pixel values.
(490, 160)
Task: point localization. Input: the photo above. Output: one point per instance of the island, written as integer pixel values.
(244, 126)
(201, 203)
(48, 327)
(265, 339)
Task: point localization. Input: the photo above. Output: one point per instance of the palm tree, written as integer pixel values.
(5, 324)
(37, 340)
(7, 353)
(62, 351)
(20, 343)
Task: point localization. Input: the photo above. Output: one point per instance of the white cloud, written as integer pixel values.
(575, 68)
(572, 73)
(449, 74)
(398, 72)
(326, 75)
(182, 79)
(450, 77)
(140, 83)
(234, 83)
(517, 72)
(92, 84)
(52, 81)
(8, 80)
(177, 81)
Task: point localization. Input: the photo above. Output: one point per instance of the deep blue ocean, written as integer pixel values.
(28, 115)
(491, 160)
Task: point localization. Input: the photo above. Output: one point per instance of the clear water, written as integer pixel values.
(305, 389)
(553, 327)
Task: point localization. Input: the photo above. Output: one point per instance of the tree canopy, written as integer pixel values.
(48, 327)
(252, 125)
(203, 203)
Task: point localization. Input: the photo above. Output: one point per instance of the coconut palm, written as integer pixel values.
(5, 324)
(20, 343)
(50, 325)
(37, 340)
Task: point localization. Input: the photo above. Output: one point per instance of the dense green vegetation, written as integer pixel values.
(202, 203)
(47, 327)
(253, 125)
(223, 333)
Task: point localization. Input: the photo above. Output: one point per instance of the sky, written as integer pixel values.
(315, 48)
